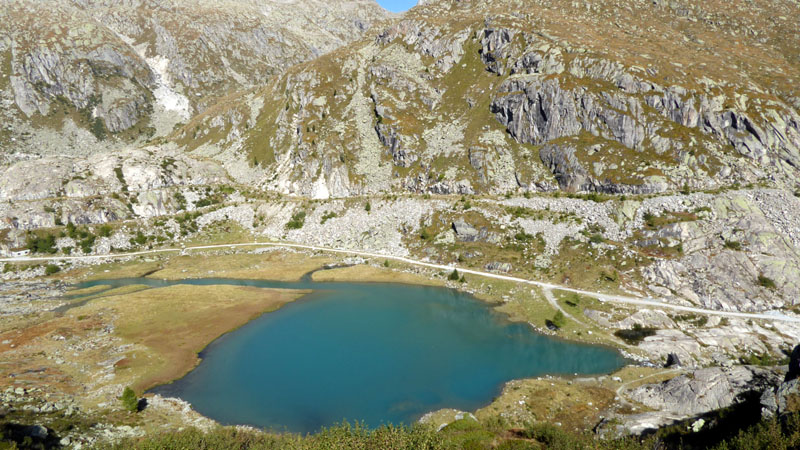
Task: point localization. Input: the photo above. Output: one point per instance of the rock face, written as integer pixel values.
(92, 70)
(426, 107)
(785, 398)
(704, 389)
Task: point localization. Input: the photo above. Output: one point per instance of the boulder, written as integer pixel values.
(794, 365)
(673, 360)
(705, 389)
(467, 233)
(781, 400)
(499, 267)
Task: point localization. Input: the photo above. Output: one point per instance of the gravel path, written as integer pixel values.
(642, 301)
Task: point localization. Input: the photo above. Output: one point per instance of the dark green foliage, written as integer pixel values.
(368, 207)
(636, 334)
(139, 239)
(327, 216)
(559, 319)
(181, 200)
(764, 359)
(698, 321)
(98, 129)
(386, 263)
(766, 282)
(188, 222)
(72, 231)
(768, 434)
(592, 197)
(454, 276)
(207, 201)
(129, 400)
(298, 220)
(42, 244)
(105, 231)
(87, 243)
(51, 269)
(733, 245)
(649, 219)
(524, 237)
(121, 178)
(737, 433)
(597, 238)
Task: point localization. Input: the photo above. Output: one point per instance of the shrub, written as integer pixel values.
(597, 238)
(454, 276)
(87, 244)
(766, 282)
(559, 319)
(46, 244)
(129, 400)
(98, 129)
(105, 231)
(649, 219)
(733, 245)
(368, 207)
(140, 238)
(298, 220)
(327, 216)
(51, 269)
(524, 237)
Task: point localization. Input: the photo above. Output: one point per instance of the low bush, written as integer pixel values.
(298, 220)
(766, 282)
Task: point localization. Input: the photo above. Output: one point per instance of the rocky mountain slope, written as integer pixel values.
(497, 96)
(85, 75)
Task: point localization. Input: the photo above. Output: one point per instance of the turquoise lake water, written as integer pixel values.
(377, 353)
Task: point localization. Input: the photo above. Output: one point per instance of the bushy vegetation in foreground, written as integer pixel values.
(463, 434)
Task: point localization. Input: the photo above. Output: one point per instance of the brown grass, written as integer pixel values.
(371, 274)
(169, 326)
(275, 265)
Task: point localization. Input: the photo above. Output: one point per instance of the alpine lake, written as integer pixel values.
(375, 353)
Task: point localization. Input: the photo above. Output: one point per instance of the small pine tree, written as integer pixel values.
(129, 400)
(367, 207)
(386, 263)
(454, 276)
(559, 320)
